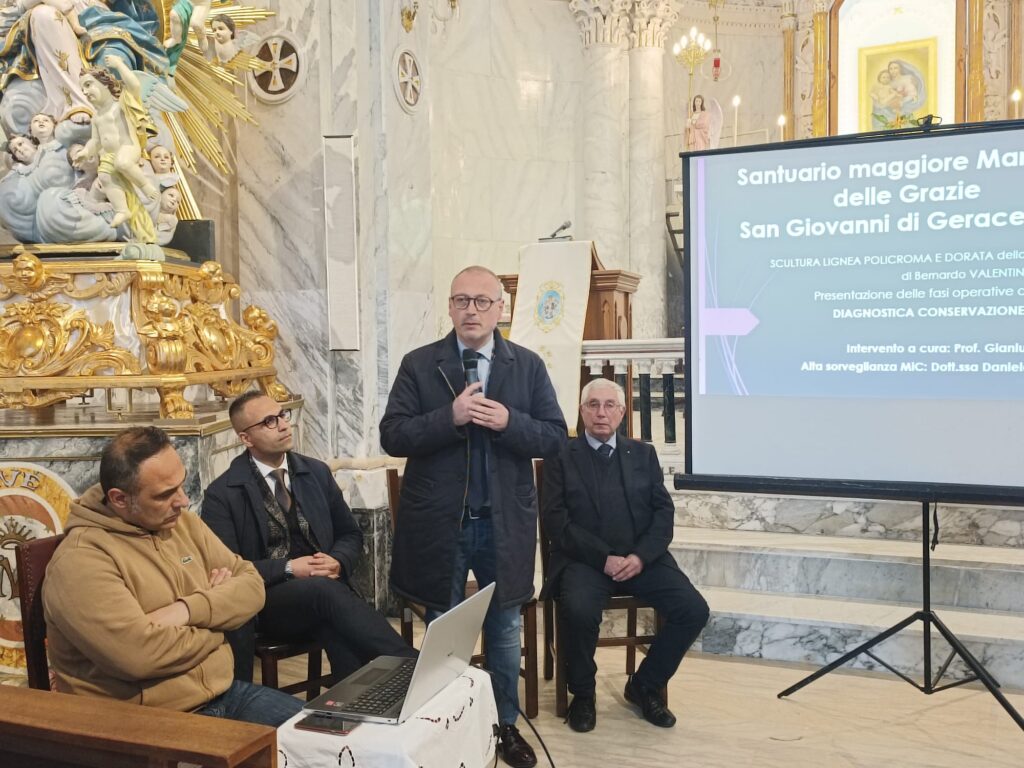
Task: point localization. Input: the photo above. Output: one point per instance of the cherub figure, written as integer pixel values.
(167, 220)
(224, 31)
(120, 128)
(162, 162)
(41, 127)
(23, 148)
(185, 15)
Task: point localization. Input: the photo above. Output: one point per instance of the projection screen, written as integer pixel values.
(856, 308)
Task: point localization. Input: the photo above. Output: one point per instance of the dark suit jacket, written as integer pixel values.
(418, 424)
(233, 507)
(571, 510)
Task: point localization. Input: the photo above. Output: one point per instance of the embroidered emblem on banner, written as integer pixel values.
(550, 306)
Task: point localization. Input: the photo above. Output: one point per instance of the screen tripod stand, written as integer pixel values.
(929, 619)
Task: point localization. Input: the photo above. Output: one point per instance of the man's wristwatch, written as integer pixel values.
(288, 572)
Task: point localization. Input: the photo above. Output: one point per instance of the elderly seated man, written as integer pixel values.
(140, 593)
(610, 522)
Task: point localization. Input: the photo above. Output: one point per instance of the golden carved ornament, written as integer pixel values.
(31, 278)
(50, 351)
(53, 339)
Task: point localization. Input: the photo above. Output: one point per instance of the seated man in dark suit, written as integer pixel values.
(285, 513)
(610, 521)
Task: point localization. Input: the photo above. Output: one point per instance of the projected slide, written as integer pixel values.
(856, 309)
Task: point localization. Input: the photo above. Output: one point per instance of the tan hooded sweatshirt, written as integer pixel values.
(108, 574)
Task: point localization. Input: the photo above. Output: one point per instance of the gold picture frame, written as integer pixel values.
(897, 84)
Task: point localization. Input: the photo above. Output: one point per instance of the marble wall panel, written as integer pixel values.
(819, 644)
(998, 526)
(504, 134)
(281, 223)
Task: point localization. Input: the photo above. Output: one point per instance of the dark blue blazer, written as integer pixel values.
(233, 508)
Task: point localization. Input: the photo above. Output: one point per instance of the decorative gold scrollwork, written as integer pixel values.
(51, 339)
(178, 313)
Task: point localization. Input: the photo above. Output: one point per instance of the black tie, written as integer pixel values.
(479, 495)
(284, 499)
(605, 451)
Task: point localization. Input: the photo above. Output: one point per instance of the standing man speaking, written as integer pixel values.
(470, 412)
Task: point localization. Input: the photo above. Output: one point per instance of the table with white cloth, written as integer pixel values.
(455, 728)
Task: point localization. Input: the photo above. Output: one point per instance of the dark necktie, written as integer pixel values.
(604, 451)
(479, 494)
(284, 499)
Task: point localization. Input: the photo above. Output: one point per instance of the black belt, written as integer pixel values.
(484, 513)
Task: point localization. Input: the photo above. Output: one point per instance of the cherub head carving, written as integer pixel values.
(100, 86)
(223, 28)
(28, 272)
(160, 159)
(41, 126)
(23, 148)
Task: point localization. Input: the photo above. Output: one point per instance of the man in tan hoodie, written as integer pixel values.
(139, 594)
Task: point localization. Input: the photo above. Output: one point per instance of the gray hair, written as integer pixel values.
(593, 384)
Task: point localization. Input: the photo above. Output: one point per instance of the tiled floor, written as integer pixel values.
(729, 716)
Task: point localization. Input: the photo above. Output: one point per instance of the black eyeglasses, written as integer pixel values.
(483, 303)
(271, 421)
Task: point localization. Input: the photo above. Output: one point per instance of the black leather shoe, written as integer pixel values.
(653, 708)
(513, 748)
(582, 714)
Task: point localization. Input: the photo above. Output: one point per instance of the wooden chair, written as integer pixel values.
(270, 651)
(31, 558)
(408, 610)
(554, 665)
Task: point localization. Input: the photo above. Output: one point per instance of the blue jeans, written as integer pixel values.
(253, 704)
(501, 625)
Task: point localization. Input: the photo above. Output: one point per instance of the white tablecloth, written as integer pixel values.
(455, 728)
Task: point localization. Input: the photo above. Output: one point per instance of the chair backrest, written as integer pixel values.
(32, 557)
(394, 492)
(545, 542)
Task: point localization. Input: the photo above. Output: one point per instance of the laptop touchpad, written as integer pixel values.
(371, 676)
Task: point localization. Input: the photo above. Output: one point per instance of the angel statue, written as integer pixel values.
(121, 126)
(185, 15)
(704, 126)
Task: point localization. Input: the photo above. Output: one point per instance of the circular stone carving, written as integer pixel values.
(408, 79)
(285, 70)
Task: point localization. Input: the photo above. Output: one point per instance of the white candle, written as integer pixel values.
(782, 127)
(735, 118)
(1015, 98)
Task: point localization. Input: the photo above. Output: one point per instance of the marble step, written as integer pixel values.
(818, 630)
(989, 526)
(962, 576)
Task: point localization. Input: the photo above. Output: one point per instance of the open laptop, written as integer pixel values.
(390, 689)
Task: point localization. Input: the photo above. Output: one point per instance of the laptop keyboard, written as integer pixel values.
(381, 698)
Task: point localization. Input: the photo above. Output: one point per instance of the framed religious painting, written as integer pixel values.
(890, 64)
(896, 84)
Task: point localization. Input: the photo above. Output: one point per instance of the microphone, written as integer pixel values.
(565, 225)
(469, 365)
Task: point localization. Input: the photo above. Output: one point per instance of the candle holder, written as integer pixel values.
(690, 50)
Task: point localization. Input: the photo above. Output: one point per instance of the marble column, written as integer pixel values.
(651, 22)
(788, 23)
(1014, 42)
(603, 26)
(819, 103)
(976, 61)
